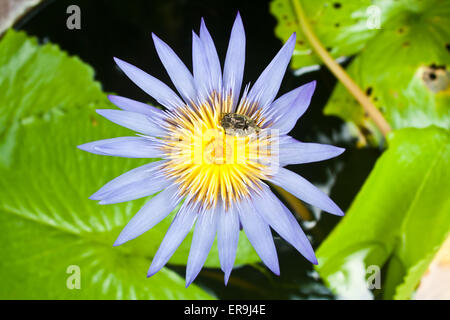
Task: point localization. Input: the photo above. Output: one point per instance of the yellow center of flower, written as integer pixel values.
(214, 154)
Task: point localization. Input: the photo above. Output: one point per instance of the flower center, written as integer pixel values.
(218, 152)
(214, 153)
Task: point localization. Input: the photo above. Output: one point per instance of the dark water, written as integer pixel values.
(123, 29)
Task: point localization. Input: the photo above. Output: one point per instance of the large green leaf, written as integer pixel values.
(343, 27)
(29, 75)
(398, 220)
(47, 220)
(340, 26)
(391, 63)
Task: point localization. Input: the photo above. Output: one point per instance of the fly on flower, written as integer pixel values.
(218, 149)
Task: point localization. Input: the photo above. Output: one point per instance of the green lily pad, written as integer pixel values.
(29, 75)
(402, 65)
(340, 26)
(397, 222)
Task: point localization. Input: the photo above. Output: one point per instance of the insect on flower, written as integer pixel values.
(218, 150)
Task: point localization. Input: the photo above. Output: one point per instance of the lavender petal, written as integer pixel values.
(212, 57)
(136, 175)
(283, 222)
(127, 104)
(291, 106)
(234, 62)
(177, 70)
(202, 240)
(152, 86)
(292, 151)
(180, 227)
(266, 87)
(134, 121)
(227, 239)
(155, 210)
(258, 232)
(128, 147)
(304, 190)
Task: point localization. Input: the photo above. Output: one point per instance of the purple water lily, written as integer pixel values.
(218, 149)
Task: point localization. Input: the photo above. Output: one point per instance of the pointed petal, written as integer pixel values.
(202, 240)
(212, 57)
(304, 190)
(283, 222)
(227, 239)
(128, 147)
(138, 189)
(180, 227)
(133, 120)
(266, 87)
(152, 86)
(259, 235)
(138, 174)
(155, 210)
(127, 104)
(202, 73)
(233, 71)
(287, 109)
(178, 72)
(292, 151)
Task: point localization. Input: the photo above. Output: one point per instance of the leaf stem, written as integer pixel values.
(338, 71)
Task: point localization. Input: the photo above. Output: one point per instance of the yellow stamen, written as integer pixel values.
(208, 164)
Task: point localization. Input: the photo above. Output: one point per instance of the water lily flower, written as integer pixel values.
(219, 148)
